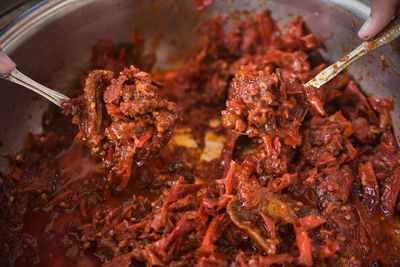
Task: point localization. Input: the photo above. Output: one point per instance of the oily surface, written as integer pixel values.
(227, 161)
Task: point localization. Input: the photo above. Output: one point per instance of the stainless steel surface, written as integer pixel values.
(19, 78)
(11, 9)
(57, 36)
(391, 32)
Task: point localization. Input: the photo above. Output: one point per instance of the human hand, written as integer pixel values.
(6, 64)
(382, 12)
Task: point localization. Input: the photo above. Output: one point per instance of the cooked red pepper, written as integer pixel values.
(304, 177)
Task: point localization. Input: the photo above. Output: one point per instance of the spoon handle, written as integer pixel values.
(391, 32)
(19, 78)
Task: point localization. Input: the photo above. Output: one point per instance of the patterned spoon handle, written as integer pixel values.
(391, 32)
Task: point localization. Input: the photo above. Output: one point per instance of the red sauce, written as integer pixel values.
(309, 177)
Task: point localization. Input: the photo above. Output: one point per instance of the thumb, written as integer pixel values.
(6, 64)
(382, 12)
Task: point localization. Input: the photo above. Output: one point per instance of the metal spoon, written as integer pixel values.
(19, 78)
(391, 32)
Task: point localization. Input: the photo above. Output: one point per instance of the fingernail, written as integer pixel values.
(6, 63)
(4, 59)
(364, 31)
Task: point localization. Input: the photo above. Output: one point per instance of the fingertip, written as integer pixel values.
(366, 29)
(7, 69)
(382, 13)
(6, 63)
(362, 35)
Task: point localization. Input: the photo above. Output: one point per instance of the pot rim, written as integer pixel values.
(30, 21)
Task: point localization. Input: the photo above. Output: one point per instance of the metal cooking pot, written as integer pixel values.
(52, 44)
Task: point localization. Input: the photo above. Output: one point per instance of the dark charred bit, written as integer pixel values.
(257, 171)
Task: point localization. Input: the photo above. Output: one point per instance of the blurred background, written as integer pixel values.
(11, 9)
